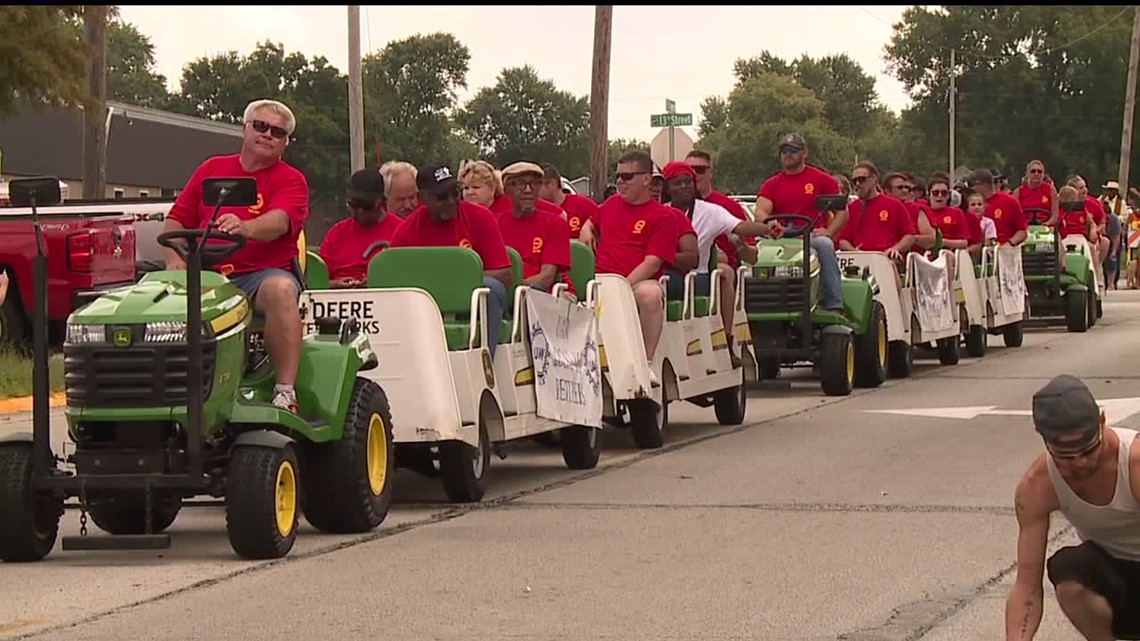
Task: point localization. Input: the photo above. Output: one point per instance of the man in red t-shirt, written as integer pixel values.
(736, 249)
(541, 238)
(793, 191)
(636, 238)
(443, 220)
(1001, 207)
(877, 222)
(578, 208)
(368, 222)
(266, 268)
(1095, 209)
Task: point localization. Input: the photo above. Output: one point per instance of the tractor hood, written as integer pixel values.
(160, 297)
(782, 252)
(1038, 234)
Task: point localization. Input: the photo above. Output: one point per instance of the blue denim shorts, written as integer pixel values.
(675, 289)
(250, 282)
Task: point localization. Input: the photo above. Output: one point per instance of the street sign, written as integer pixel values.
(1115, 411)
(670, 106)
(671, 120)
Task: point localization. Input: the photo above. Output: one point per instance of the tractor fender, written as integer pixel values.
(837, 329)
(17, 437)
(264, 438)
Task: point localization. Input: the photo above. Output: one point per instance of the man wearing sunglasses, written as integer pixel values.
(733, 249)
(266, 268)
(345, 243)
(793, 191)
(877, 222)
(1038, 193)
(444, 220)
(1090, 473)
(541, 237)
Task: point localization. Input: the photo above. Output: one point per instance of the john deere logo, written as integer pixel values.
(121, 337)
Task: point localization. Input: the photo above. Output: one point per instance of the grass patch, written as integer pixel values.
(16, 374)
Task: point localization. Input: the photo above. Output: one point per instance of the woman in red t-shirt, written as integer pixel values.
(959, 231)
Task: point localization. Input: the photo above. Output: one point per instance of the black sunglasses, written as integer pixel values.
(260, 126)
(859, 180)
(701, 169)
(627, 176)
(939, 192)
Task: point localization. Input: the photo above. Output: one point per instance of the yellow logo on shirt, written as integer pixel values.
(884, 215)
(639, 227)
(256, 208)
(1045, 199)
(946, 220)
(575, 223)
(463, 242)
(536, 245)
(997, 214)
(809, 189)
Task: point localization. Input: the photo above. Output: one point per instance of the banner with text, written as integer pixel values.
(567, 370)
(1011, 282)
(932, 292)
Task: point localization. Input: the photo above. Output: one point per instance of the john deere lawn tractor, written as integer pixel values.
(783, 301)
(1068, 292)
(166, 401)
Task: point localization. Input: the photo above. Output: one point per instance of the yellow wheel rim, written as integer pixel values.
(850, 361)
(882, 344)
(286, 498)
(377, 455)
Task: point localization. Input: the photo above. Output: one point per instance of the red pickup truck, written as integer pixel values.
(90, 248)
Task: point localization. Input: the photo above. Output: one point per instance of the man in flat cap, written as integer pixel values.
(1090, 473)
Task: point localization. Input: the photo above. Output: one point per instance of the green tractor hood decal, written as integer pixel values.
(161, 297)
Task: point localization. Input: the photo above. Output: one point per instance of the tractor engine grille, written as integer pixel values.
(773, 295)
(1038, 264)
(142, 375)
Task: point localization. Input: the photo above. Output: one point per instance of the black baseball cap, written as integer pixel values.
(436, 179)
(1065, 407)
(366, 185)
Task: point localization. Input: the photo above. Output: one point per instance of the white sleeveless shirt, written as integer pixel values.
(1116, 526)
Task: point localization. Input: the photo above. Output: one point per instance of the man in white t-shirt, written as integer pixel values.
(709, 221)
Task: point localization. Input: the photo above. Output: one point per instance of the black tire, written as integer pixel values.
(1099, 307)
(900, 359)
(348, 483)
(948, 350)
(463, 468)
(837, 364)
(1013, 334)
(127, 514)
(647, 422)
(769, 367)
(30, 523)
(1091, 298)
(731, 404)
(259, 528)
(14, 326)
(1077, 311)
(581, 446)
(977, 341)
(871, 350)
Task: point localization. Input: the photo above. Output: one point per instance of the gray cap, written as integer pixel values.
(980, 176)
(1065, 406)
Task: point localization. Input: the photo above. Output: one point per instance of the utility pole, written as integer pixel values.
(600, 101)
(953, 97)
(95, 114)
(355, 91)
(1129, 106)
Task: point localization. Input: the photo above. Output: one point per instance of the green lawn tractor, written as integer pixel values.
(1055, 292)
(168, 400)
(783, 302)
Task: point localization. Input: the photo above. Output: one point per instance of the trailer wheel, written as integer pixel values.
(647, 421)
(262, 501)
(948, 350)
(348, 483)
(976, 341)
(581, 446)
(464, 468)
(1013, 334)
(30, 524)
(731, 404)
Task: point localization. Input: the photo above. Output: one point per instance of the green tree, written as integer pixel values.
(42, 63)
(714, 115)
(131, 74)
(524, 117)
(617, 148)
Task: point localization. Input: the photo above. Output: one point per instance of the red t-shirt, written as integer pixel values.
(722, 242)
(279, 186)
(1096, 210)
(1076, 222)
(345, 243)
(473, 227)
(1040, 197)
(796, 193)
(884, 225)
(578, 209)
(1006, 214)
(914, 208)
(955, 225)
(540, 239)
(629, 233)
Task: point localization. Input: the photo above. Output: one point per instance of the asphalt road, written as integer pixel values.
(820, 518)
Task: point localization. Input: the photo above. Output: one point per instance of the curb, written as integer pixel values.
(23, 404)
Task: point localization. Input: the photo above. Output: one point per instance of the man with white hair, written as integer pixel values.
(400, 192)
(266, 267)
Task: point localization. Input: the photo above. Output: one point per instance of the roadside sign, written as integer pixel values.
(670, 106)
(671, 120)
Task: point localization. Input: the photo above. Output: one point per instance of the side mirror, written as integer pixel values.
(43, 190)
(239, 192)
(1070, 206)
(830, 203)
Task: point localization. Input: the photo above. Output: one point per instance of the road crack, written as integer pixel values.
(880, 508)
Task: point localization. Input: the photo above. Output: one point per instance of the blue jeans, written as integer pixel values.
(496, 307)
(828, 272)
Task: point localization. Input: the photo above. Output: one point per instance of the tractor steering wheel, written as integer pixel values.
(196, 242)
(1037, 214)
(792, 232)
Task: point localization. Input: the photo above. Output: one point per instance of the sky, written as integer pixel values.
(682, 53)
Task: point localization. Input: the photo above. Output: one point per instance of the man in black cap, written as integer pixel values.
(344, 245)
(444, 220)
(1090, 473)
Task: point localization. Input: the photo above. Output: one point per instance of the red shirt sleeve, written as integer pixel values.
(768, 190)
(1095, 208)
(848, 231)
(487, 239)
(556, 242)
(905, 224)
(187, 206)
(292, 197)
(684, 225)
(331, 243)
(663, 237)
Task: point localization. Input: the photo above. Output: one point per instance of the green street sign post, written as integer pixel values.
(671, 119)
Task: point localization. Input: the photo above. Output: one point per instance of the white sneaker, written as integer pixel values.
(286, 400)
(653, 380)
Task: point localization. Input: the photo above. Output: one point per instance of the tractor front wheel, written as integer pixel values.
(262, 501)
